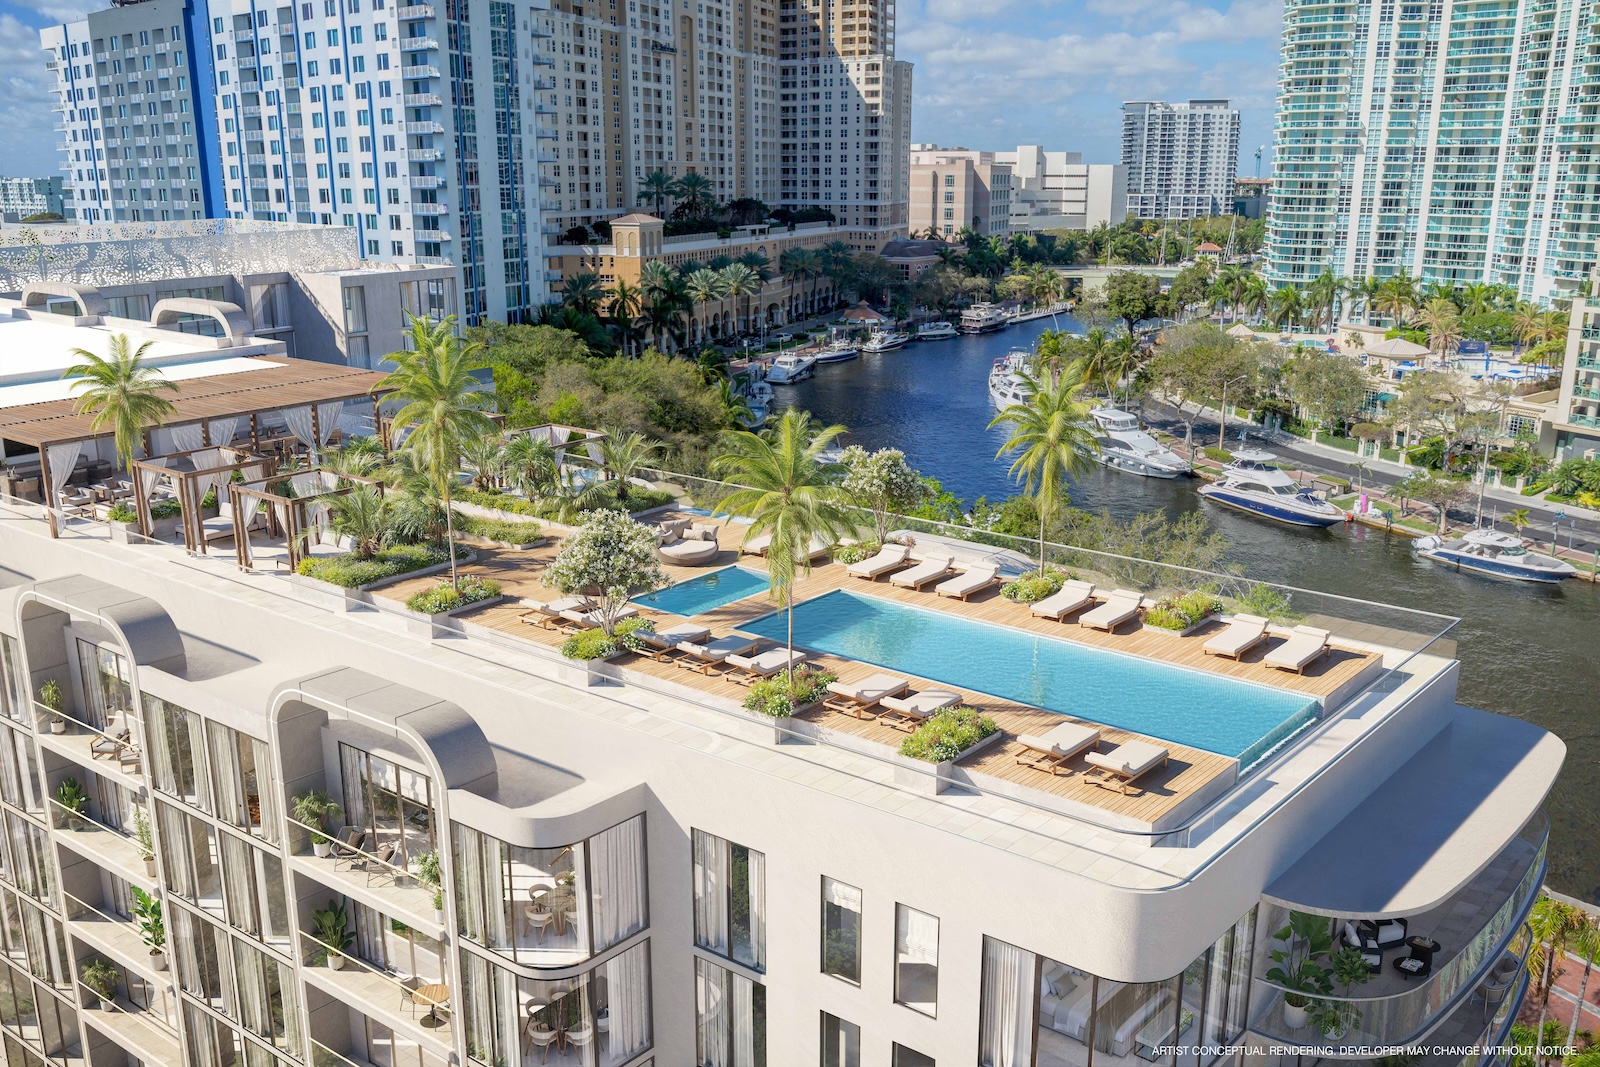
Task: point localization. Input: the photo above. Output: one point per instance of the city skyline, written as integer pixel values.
(965, 93)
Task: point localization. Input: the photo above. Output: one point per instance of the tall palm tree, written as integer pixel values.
(1255, 295)
(704, 286)
(1478, 298)
(740, 282)
(1396, 298)
(1287, 305)
(122, 392)
(801, 265)
(657, 186)
(624, 455)
(1443, 323)
(666, 300)
(1053, 439)
(622, 307)
(1554, 925)
(1323, 293)
(1053, 353)
(696, 193)
(439, 405)
(790, 492)
(582, 292)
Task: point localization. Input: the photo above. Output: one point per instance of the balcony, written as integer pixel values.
(112, 935)
(423, 127)
(380, 994)
(101, 844)
(424, 155)
(414, 11)
(422, 100)
(111, 752)
(418, 44)
(426, 181)
(368, 877)
(422, 71)
(141, 1031)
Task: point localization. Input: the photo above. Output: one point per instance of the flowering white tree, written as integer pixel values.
(881, 482)
(612, 553)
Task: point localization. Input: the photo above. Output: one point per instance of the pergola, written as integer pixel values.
(209, 412)
(193, 473)
(293, 501)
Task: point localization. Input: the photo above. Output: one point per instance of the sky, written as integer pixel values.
(990, 74)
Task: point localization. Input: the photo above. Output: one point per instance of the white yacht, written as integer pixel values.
(1252, 483)
(937, 330)
(884, 341)
(984, 318)
(1126, 447)
(837, 352)
(1006, 384)
(791, 367)
(1495, 553)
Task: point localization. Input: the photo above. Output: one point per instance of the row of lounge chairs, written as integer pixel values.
(1124, 764)
(888, 699)
(570, 615)
(895, 562)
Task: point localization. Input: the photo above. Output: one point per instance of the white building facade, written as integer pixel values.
(1180, 157)
(21, 197)
(1059, 191)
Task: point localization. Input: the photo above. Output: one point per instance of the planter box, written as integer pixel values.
(913, 774)
(332, 597)
(123, 533)
(593, 672)
(429, 625)
(163, 529)
(475, 540)
(1186, 631)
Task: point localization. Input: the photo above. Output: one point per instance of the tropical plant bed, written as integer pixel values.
(447, 598)
(596, 644)
(388, 565)
(777, 698)
(1185, 613)
(948, 734)
(1032, 588)
(503, 533)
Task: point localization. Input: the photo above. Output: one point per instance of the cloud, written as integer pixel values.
(25, 101)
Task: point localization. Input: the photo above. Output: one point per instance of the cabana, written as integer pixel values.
(1396, 348)
(194, 473)
(289, 516)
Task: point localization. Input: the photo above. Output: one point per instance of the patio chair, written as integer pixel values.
(548, 615)
(706, 658)
(111, 746)
(347, 846)
(659, 644)
(1120, 606)
(1072, 596)
(932, 568)
(856, 698)
(1244, 632)
(975, 579)
(1305, 644)
(746, 670)
(1054, 748)
(912, 710)
(1128, 762)
(889, 558)
(381, 863)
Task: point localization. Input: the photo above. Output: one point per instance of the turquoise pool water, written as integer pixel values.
(706, 592)
(1188, 707)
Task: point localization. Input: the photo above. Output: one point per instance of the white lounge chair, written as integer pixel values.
(856, 698)
(975, 579)
(932, 568)
(661, 643)
(1072, 595)
(574, 621)
(1050, 750)
(1306, 643)
(758, 545)
(747, 669)
(1120, 606)
(889, 557)
(1128, 762)
(707, 657)
(911, 711)
(548, 614)
(1244, 632)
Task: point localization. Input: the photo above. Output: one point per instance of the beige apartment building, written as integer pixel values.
(955, 188)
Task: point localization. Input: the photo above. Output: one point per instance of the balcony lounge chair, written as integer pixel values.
(409, 985)
(975, 579)
(1370, 936)
(1052, 749)
(911, 711)
(1128, 762)
(686, 545)
(1072, 596)
(548, 614)
(857, 698)
(661, 643)
(747, 670)
(1305, 644)
(1244, 632)
(889, 558)
(1119, 607)
(758, 545)
(109, 745)
(347, 846)
(380, 864)
(706, 658)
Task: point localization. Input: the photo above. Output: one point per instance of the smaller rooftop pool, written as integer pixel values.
(707, 592)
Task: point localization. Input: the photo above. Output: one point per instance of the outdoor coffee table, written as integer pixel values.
(432, 995)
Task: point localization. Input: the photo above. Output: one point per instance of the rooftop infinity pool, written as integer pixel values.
(707, 592)
(1178, 704)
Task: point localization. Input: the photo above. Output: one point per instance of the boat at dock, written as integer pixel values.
(1495, 553)
(837, 352)
(938, 330)
(791, 367)
(1126, 447)
(1254, 484)
(1007, 379)
(884, 341)
(984, 318)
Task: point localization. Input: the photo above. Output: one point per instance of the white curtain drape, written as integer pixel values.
(149, 478)
(616, 858)
(917, 935)
(202, 460)
(328, 419)
(62, 458)
(299, 422)
(628, 1003)
(711, 892)
(742, 1019)
(222, 429)
(758, 910)
(558, 437)
(187, 437)
(305, 484)
(1005, 1028)
(711, 1003)
(594, 451)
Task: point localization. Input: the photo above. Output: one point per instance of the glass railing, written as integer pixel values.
(1402, 1018)
(397, 882)
(384, 989)
(110, 749)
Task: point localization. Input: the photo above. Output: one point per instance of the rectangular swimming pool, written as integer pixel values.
(706, 592)
(1188, 707)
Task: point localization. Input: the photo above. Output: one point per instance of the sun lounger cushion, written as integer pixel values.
(974, 577)
(1067, 737)
(1128, 758)
(590, 619)
(888, 556)
(1242, 631)
(869, 690)
(688, 553)
(769, 662)
(922, 704)
(718, 650)
(931, 567)
(1072, 594)
(673, 636)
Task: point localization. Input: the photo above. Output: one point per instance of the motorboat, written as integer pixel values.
(937, 330)
(1125, 447)
(1253, 483)
(1007, 379)
(1493, 552)
(884, 341)
(984, 318)
(791, 367)
(837, 352)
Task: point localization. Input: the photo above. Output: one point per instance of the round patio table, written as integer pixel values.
(433, 995)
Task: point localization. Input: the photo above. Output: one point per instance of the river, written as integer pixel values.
(1524, 649)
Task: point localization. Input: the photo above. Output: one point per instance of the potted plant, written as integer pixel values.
(1307, 940)
(72, 798)
(1348, 967)
(313, 810)
(332, 928)
(101, 979)
(55, 702)
(123, 521)
(152, 927)
(428, 873)
(147, 845)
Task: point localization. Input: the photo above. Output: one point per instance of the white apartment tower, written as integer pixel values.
(846, 112)
(1400, 150)
(1180, 158)
(416, 125)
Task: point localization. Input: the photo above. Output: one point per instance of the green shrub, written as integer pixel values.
(471, 589)
(1269, 602)
(210, 499)
(516, 533)
(1182, 612)
(349, 572)
(1031, 588)
(775, 697)
(854, 553)
(1220, 455)
(122, 513)
(596, 644)
(947, 734)
(165, 509)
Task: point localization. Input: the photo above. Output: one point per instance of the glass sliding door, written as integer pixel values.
(730, 1018)
(391, 803)
(730, 899)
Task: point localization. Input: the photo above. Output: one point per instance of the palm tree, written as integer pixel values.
(1443, 323)
(531, 465)
(485, 457)
(122, 392)
(358, 456)
(1287, 305)
(735, 405)
(622, 307)
(1553, 924)
(1520, 520)
(1478, 298)
(664, 291)
(657, 186)
(1396, 298)
(1324, 292)
(704, 286)
(439, 405)
(624, 455)
(365, 516)
(789, 492)
(582, 292)
(801, 265)
(739, 280)
(1054, 440)
(696, 192)
(1254, 296)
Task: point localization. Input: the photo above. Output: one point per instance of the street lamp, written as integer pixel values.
(1222, 431)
